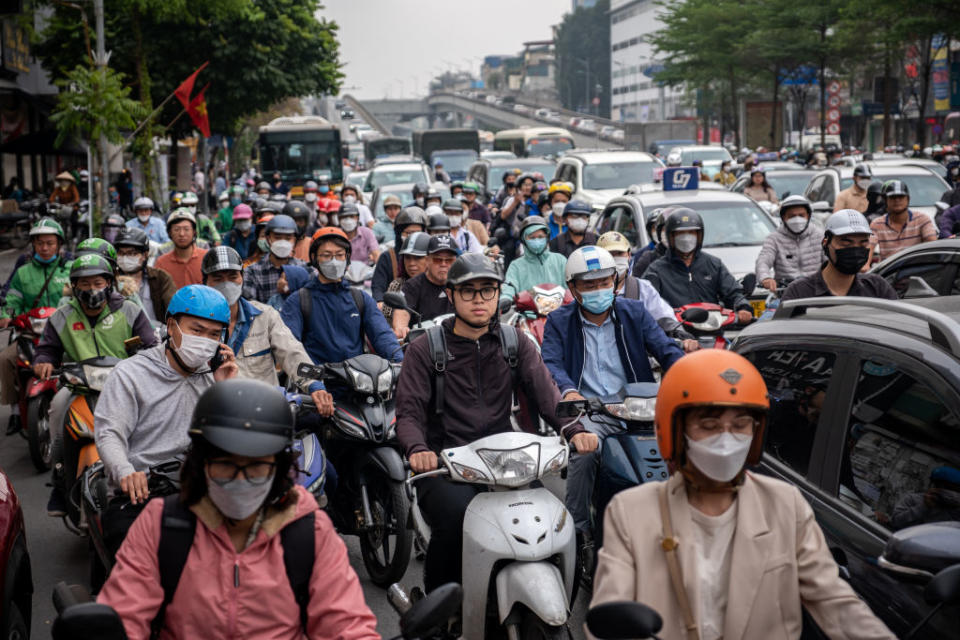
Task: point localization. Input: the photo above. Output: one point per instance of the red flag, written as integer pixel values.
(197, 110)
(186, 87)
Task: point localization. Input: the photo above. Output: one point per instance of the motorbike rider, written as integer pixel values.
(476, 209)
(65, 191)
(364, 247)
(426, 293)
(241, 237)
(409, 221)
(484, 385)
(437, 221)
(687, 275)
(725, 176)
(413, 254)
(794, 249)
(855, 196)
(642, 260)
(206, 229)
(264, 278)
(183, 261)
(846, 241)
(759, 190)
(155, 286)
(876, 203)
(465, 237)
(537, 265)
(238, 493)
(901, 227)
(332, 320)
(575, 217)
(301, 216)
(726, 524)
(350, 194)
(383, 228)
(433, 198)
(558, 194)
(149, 396)
(111, 226)
(310, 198)
(148, 223)
(594, 348)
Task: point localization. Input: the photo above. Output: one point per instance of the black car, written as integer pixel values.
(488, 172)
(926, 269)
(865, 420)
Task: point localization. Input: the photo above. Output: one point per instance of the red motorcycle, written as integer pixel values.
(709, 323)
(535, 304)
(35, 394)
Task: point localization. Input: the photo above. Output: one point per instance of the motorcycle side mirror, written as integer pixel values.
(505, 305)
(916, 553)
(88, 621)
(822, 205)
(571, 408)
(942, 590)
(749, 283)
(395, 300)
(941, 205)
(427, 617)
(616, 620)
(312, 371)
(695, 315)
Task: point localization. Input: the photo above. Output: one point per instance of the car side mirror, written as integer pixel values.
(695, 315)
(616, 620)
(916, 553)
(917, 287)
(395, 300)
(942, 590)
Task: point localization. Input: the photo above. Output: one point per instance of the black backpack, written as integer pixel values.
(437, 345)
(177, 527)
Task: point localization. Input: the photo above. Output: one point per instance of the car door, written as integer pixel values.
(622, 216)
(892, 444)
(926, 273)
(813, 190)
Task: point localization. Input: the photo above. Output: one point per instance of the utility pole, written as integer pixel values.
(101, 59)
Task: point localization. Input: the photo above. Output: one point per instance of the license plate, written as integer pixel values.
(759, 306)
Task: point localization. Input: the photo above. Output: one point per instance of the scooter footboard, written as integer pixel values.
(536, 585)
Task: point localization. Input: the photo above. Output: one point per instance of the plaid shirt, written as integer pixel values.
(888, 241)
(260, 278)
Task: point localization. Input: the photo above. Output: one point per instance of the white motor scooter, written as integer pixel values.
(516, 537)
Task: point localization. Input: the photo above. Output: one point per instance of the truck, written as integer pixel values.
(644, 136)
(456, 149)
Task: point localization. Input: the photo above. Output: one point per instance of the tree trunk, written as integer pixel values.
(734, 103)
(887, 96)
(773, 111)
(143, 146)
(823, 103)
(926, 72)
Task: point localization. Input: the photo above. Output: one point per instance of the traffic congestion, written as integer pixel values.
(570, 379)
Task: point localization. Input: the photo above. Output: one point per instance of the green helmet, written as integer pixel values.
(90, 264)
(46, 227)
(98, 246)
(236, 190)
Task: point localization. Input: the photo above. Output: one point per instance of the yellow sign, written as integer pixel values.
(16, 47)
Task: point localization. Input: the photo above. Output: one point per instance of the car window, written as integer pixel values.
(620, 219)
(797, 382)
(618, 175)
(901, 462)
(921, 277)
(813, 190)
(828, 191)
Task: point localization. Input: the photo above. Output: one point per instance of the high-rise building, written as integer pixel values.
(635, 96)
(582, 3)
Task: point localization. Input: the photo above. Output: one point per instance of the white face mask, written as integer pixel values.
(321, 219)
(622, 262)
(797, 224)
(310, 197)
(348, 224)
(238, 498)
(720, 457)
(558, 208)
(229, 290)
(349, 199)
(195, 351)
(144, 218)
(281, 248)
(243, 225)
(130, 264)
(455, 221)
(577, 225)
(864, 183)
(685, 242)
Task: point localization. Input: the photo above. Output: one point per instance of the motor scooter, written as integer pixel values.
(709, 323)
(535, 304)
(519, 546)
(35, 394)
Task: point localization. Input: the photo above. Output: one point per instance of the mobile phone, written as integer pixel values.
(216, 360)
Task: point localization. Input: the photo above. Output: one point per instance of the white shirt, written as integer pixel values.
(713, 536)
(466, 240)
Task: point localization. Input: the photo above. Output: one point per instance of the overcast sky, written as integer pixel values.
(394, 47)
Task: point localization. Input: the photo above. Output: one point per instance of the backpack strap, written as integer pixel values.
(631, 288)
(306, 309)
(358, 300)
(394, 263)
(177, 527)
(299, 551)
(437, 345)
(510, 346)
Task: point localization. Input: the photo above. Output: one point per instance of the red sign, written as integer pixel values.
(833, 128)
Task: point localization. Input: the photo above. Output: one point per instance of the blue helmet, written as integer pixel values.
(200, 301)
(282, 224)
(577, 207)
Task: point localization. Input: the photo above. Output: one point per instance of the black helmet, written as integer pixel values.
(262, 205)
(132, 237)
(244, 417)
(296, 210)
(683, 219)
(542, 199)
(420, 189)
(221, 258)
(438, 222)
(452, 204)
(348, 209)
(577, 207)
(875, 199)
(472, 266)
(895, 188)
(416, 244)
(654, 219)
(410, 215)
(862, 171)
(533, 222)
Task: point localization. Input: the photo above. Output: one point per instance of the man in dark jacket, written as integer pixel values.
(594, 348)
(687, 275)
(156, 287)
(480, 385)
(576, 217)
(389, 268)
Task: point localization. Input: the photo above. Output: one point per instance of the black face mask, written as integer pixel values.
(849, 260)
(93, 298)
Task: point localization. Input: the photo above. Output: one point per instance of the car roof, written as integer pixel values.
(603, 156)
(399, 166)
(698, 147)
(783, 165)
(901, 169)
(516, 162)
(948, 245)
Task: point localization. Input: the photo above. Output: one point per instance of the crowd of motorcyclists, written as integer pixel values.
(209, 315)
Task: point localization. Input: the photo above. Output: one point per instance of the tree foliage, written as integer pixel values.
(582, 42)
(93, 103)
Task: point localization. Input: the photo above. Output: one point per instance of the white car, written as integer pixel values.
(712, 156)
(587, 124)
(521, 108)
(410, 172)
(598, 176)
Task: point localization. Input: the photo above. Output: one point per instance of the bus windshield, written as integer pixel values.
(302, 155)
(549, 146)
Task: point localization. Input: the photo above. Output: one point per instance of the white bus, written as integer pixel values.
(534, 141)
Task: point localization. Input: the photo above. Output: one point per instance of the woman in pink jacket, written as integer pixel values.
(238, 495)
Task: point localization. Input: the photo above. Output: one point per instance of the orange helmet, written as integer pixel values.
(327, 233)
(713, 378)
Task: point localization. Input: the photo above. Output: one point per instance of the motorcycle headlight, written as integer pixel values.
(385, 381)
(361, 381)
(469, 473)
(512, 467)
(546, 303)
(38, 324)
(96, 376)
(642, 409)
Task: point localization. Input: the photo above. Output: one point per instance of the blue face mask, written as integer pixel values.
(597, 301)
(537, 245)
(235, 201)
(36, 256)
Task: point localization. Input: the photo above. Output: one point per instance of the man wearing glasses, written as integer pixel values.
(426, 293)
(479, 385)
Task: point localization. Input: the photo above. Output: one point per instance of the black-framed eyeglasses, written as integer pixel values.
(486, 293)
(224, 471)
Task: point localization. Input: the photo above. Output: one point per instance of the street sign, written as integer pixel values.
(596, 101)
(833, 87)
(653, 70)
(833, 128)
(876, 108)
(833, 115)
(681, 178)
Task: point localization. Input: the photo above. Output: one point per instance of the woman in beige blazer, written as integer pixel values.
(746, 552)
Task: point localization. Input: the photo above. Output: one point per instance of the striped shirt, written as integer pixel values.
(889, 240)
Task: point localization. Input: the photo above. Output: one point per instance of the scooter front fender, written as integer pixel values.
(387, 460)
(38, 387)
(536, 585)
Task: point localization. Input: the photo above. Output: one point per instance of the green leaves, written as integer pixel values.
(582, 39)
(93, 103)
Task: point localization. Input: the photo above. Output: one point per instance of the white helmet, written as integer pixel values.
(143, 202)
(847, 222)
(189, 199)
(674, 159)
(589, 263)
(432, 209)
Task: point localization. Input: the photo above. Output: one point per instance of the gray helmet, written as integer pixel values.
(895, 188)
(348, 209)
(452, 204)
(244, 417)
(410, 215)
(533, 222)
(415, 244)
(846, 222)
(862, 171)
(132, 237)
(472, 266)
(795, 200)
(221, 258)
(263, 185)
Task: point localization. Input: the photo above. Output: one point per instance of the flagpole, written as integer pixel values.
(140, 126)
(174, 121)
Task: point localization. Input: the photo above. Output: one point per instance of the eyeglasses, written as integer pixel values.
(442, 260)
(740, 423)
(324, 257)
(486, 293)
(224, 471)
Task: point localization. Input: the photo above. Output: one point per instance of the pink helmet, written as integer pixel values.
(242, 212)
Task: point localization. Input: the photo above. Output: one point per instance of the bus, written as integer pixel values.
(534, 141)
(301, 148)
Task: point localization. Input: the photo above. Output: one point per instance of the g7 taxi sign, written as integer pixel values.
(681, 179)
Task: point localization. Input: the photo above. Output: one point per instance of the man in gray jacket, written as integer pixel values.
(794, 249)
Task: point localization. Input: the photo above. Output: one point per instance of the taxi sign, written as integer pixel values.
(681, 178)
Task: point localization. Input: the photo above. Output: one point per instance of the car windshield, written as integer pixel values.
(925, 190)
(617, 175)
(706, 155)
(788, 184)
(405, 195)
(356, 179)
(732, 224)
(547, 169)
(378, 178)
(548, 146)
(455, 163)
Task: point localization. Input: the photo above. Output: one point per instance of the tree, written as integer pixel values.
(582, 45)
